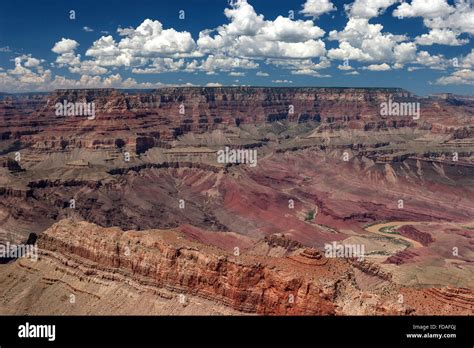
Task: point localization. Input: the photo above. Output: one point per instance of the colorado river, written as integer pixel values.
(377, 227)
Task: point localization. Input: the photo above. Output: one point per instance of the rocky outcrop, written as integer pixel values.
(411, 232)
(10, 165)
(449, 296)
(372, 270)
(170, 262)
(402, 257)
(463, 133)
(282, 241)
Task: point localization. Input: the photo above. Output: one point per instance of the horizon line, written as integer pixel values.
(224, 86)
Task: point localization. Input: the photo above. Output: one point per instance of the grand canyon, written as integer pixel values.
(132, 212)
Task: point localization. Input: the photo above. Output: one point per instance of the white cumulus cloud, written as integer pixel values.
(65, 46)
(459, 77)
(249, 35)
(316, 8)
(379, 67)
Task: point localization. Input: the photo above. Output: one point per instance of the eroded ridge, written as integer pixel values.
(187, 277)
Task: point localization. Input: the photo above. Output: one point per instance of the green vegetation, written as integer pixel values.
(374, 223)
(378, 252)
(310, 215)
(389, 229)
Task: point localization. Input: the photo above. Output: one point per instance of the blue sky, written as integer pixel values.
(424, 46)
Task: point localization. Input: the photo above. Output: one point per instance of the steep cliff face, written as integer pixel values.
(141, 117)
(165, 259)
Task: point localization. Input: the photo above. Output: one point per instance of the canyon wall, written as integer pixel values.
(143, 119)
